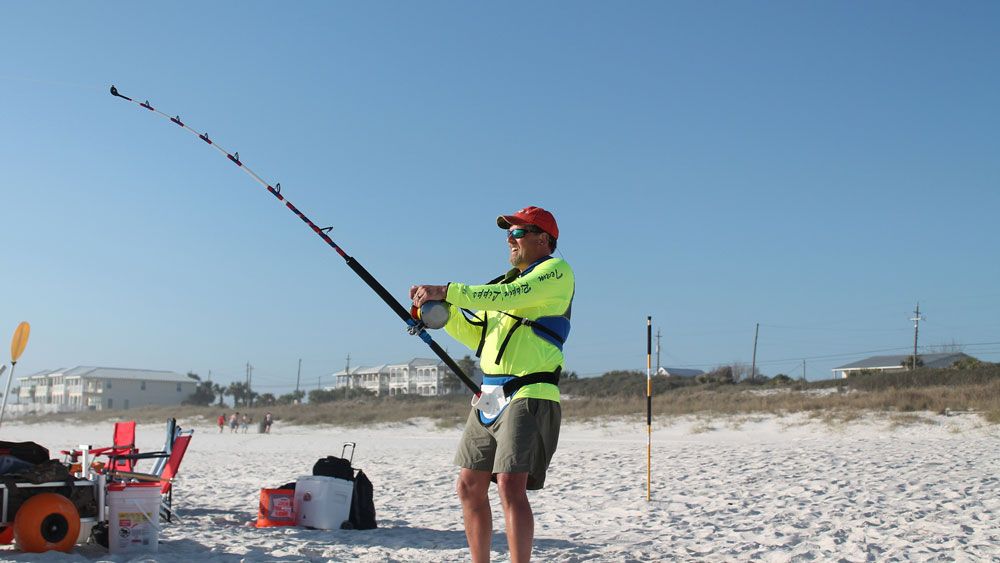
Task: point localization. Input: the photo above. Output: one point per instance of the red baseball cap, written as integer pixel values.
(531, 216)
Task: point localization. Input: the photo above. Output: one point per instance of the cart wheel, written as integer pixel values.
(6, 535)
(45, 522)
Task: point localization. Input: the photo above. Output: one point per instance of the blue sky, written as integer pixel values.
(817, 168)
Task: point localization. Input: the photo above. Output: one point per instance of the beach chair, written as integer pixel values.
(165, 468)
(123, 444)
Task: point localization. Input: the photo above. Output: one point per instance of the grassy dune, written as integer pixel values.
(624, 393)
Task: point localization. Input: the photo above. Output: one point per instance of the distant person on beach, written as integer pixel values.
(518, 323)
(268, 421)
(245, 423)
(222, 422)
(234, 421)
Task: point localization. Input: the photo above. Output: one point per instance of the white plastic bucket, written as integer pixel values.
(133, 517)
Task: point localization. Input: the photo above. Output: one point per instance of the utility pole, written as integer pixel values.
(916, 331)
(657, 350)
(347, 372)
(298, 377)
(803, 370)
(753, 365)
(249, 401)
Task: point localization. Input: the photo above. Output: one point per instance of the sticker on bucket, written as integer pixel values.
(132, 527)
(281, 508)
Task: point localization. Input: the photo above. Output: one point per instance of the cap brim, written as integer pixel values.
(505, 221)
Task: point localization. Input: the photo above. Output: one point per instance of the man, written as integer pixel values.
(517, 324)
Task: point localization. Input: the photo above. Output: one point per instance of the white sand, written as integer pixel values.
(772, 489)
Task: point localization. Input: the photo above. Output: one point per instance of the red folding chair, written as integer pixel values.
(124, 442)
(170, 471)
(124, 445)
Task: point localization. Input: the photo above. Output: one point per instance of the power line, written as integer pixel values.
(834, 329)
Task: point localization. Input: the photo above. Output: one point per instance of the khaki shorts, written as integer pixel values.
(522, 440)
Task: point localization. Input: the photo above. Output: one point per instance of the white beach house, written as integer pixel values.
(419, 376)
(100, 388)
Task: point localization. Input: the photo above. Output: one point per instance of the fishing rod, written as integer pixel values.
(414, 326)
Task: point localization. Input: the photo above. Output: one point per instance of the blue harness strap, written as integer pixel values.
(551, 329)
(511, 384)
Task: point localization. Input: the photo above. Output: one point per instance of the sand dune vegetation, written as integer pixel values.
(974, 388)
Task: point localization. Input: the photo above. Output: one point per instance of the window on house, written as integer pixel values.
(110, 401)
(143, 386)
(126, 404)
(108, 385)
(178, 387)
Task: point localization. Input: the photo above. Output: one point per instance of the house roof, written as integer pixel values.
(92, 372)
(41, 374)
(680, 372)
(384, 368)
(424, 362)
(930, 361)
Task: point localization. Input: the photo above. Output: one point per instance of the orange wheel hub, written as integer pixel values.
(46, 522)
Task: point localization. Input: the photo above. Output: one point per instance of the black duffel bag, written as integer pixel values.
(332, 466)
(25, 451)
(363, 504)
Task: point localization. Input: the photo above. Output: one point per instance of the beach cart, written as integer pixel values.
(50, 515)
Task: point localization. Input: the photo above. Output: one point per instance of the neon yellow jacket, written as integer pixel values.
(544, 293)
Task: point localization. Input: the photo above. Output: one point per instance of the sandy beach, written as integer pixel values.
(725, 489)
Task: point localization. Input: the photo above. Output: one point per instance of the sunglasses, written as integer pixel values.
(520, 232)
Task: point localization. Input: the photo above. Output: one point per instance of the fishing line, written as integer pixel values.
(414, 326)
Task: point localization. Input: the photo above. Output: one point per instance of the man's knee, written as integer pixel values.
(472, 485)
(512, 487)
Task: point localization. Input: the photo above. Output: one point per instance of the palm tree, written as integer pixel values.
(240, 393)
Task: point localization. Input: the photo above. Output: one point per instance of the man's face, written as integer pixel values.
(531, 245)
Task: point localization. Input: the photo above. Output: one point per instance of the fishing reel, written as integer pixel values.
(432, 314)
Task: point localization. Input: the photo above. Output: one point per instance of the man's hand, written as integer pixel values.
(421, 294)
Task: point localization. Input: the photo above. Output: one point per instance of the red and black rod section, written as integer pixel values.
(353, 264)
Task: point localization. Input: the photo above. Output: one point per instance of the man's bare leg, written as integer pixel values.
(517, 515)
(473, 491)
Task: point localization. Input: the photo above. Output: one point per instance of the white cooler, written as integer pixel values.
(322, 502)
